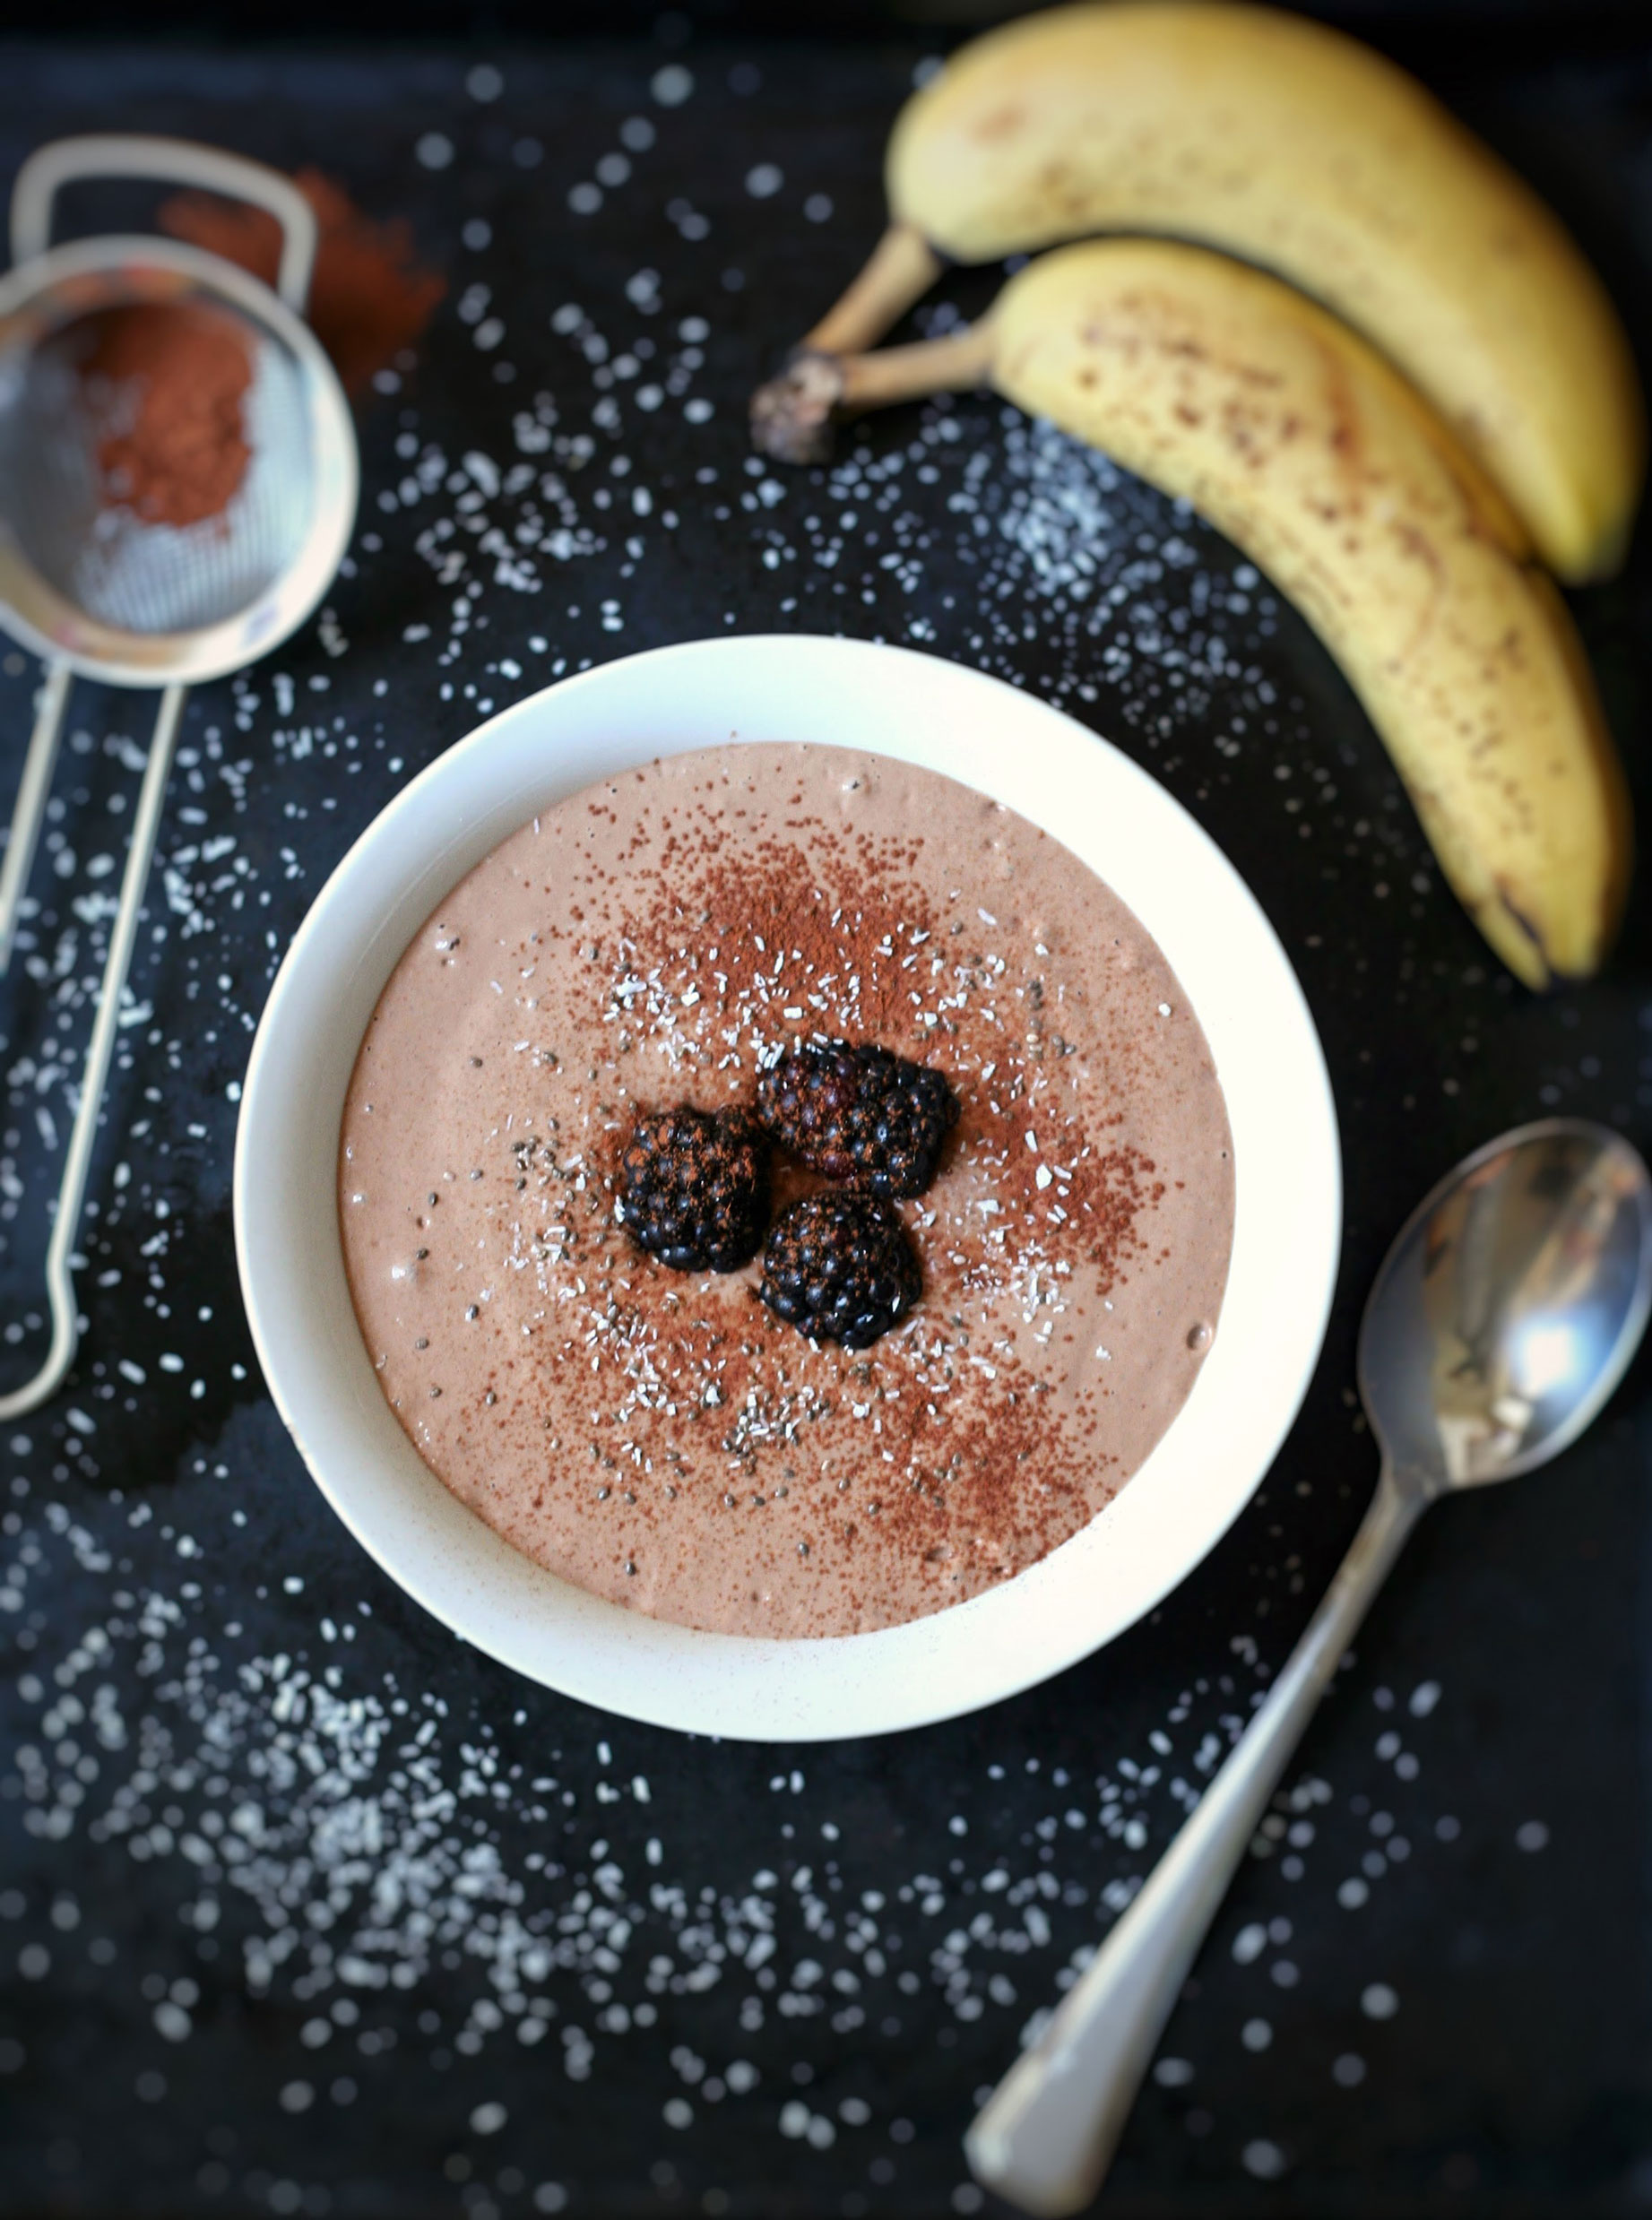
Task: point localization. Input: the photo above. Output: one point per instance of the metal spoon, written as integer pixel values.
(1503, 1317)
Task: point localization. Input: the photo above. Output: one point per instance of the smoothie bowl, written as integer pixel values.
(661, 1486)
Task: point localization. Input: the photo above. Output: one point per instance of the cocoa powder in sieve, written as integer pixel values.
(172, 375)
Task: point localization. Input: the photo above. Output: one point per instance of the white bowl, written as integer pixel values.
(1127, 828)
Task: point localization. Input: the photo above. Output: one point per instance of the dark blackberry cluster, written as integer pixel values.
(841, 1266)
(694, 1184)
(694, 1187)
(859, 1113)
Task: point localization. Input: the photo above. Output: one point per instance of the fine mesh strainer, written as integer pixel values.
(98, 590)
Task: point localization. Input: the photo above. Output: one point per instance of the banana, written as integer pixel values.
(1218, 383)
(1299, 150)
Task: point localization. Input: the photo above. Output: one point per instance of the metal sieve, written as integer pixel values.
(98, 591)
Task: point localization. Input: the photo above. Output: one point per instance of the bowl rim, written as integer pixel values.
(1147, 1538)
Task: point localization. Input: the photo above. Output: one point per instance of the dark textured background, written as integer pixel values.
(262, 1931)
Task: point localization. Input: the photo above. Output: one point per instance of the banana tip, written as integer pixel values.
(794, 417)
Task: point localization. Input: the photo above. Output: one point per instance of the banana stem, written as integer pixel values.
(792, 416)
(902, 267)
(957, 362)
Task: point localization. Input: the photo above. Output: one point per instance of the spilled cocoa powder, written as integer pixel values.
(370, 297)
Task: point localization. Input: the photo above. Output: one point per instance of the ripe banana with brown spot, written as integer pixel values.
(1220, 384)
(1297, 147)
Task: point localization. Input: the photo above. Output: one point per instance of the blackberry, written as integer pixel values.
(859, 1113)
(840, 1267)
(694, 1186)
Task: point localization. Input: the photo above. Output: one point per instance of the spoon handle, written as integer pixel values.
(1045, 2137)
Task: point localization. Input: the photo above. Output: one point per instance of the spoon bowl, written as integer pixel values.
(1509, 1306)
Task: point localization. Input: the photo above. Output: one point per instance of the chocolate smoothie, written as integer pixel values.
(660, 1438)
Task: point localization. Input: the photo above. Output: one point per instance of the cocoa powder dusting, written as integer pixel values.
(965, 1494)
(172, 375)
(370, 295)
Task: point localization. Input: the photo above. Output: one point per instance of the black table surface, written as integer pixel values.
(305, 1907)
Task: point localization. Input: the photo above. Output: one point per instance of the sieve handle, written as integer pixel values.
(125, 155)
(83, 1134)
(28, 812)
